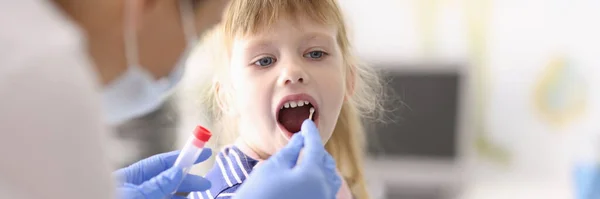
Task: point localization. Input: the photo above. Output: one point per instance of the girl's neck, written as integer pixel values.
(249, 151)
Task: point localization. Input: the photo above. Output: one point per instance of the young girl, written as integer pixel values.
(275, 60)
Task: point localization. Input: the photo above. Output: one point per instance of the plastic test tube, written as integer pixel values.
(192, 149)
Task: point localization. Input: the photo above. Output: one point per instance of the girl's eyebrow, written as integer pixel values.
(318, 37)
(256, 47)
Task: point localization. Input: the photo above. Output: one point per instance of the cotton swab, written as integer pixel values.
(312, 111)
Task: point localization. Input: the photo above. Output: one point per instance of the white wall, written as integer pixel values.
(523, 37)
(389, 30)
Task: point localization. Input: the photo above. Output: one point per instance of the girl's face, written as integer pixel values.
(277, 75)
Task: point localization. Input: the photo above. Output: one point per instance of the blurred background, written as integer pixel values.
(492, 98)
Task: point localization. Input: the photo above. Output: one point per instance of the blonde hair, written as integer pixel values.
(243, 17)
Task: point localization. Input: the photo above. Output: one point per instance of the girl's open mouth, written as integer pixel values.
(292, 114)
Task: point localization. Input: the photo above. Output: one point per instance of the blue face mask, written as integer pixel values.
(137, 92)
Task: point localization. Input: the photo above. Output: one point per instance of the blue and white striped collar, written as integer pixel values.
(231, 168)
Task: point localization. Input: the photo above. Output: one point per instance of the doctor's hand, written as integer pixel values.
(154, 177)
(280, 177)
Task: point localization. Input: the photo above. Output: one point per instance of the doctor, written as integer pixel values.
(67, 67)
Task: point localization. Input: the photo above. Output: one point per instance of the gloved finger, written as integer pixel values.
(170, 157)
(193, 183)
(336, 184)
(329, 163)
(288, 155)
(314, 149)
(145, 169)
(121, 175)
(129, 191)
(163, 184)
(331, 172)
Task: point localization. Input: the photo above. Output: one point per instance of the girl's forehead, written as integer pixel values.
(298, 28)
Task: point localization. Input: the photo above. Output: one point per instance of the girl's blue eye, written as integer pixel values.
(265, 61)
(317, 54)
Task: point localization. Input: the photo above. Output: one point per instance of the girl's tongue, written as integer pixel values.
(292, 118)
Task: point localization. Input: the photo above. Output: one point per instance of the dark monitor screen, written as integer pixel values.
(422, 117)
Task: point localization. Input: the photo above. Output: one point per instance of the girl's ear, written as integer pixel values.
(220, 97)
(223, 99)
(350, 81)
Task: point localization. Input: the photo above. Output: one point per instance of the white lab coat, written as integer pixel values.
(51, 126)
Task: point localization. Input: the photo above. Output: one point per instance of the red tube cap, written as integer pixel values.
(202, 133)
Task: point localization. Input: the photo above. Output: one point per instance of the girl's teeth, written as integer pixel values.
(295, 104)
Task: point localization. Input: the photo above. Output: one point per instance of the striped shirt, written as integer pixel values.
(230, 170)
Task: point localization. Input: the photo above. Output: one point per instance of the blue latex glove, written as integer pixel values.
(279, 176)
(156, 178)
(587, 181)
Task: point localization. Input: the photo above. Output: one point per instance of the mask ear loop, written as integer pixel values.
(186, 10)
(130, 35)
(188, 25)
